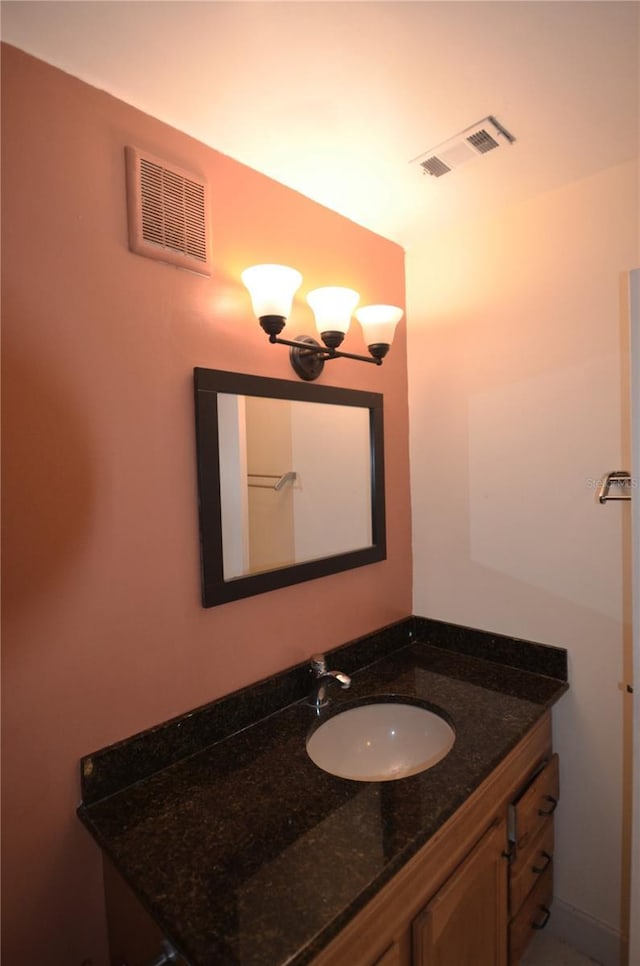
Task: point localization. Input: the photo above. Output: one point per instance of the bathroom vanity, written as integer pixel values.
(221, 836)
(474, 894)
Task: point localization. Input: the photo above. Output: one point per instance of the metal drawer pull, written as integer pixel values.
(549, 811)
(541, 925)
(540, 868)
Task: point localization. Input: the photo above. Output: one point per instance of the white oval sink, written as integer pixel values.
(380, 742)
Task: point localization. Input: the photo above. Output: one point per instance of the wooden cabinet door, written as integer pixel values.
(395, 955)
(465, 924)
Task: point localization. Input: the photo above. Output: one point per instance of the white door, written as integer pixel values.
(634, 957)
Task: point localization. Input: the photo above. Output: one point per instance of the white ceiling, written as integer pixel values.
(335, 98)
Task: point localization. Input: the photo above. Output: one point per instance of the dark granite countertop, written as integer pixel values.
(247, 854)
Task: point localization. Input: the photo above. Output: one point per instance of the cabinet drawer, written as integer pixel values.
(529, 864)
(536, 805)
(532, 916)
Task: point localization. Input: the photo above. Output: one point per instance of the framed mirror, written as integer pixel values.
(290, 482)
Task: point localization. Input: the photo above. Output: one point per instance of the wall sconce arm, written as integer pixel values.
(314, 348)
(308, 357)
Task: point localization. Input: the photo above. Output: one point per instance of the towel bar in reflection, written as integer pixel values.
(618, 478)
(289, 477)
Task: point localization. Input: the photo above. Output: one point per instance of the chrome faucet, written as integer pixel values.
(318, 697)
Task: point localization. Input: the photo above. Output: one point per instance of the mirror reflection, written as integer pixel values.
(281, 463)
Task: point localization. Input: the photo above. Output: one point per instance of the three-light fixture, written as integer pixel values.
(272, 288)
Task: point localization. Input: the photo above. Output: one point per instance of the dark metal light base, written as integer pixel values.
(332, 339)
(379, 350)
(272, 324)
(307, 365)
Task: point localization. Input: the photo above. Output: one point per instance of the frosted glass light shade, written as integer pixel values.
(272, 288)
(379, 323)
(332, 307)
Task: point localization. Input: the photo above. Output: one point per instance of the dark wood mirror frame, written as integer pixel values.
(210, 382)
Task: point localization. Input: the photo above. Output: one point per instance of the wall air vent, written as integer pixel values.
(168, 212)
(479, 139)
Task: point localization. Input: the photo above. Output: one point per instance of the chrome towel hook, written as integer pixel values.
(618, 478)
(289, 477)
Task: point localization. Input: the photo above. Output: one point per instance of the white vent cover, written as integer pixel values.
(479, 139)
(168, 212)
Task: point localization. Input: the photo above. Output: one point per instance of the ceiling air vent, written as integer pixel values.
(485, 136)
(168, 212)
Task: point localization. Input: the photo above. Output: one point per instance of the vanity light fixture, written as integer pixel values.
(272, 288)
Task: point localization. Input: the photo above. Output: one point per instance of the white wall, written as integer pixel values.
(515, 399)
(332, 457)
(634, 956)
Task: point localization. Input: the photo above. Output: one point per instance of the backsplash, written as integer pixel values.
(111, 769)
(512, 651)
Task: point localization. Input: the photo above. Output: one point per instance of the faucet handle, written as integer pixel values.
(318, 664)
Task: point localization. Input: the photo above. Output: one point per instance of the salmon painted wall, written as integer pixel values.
(104, 634)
